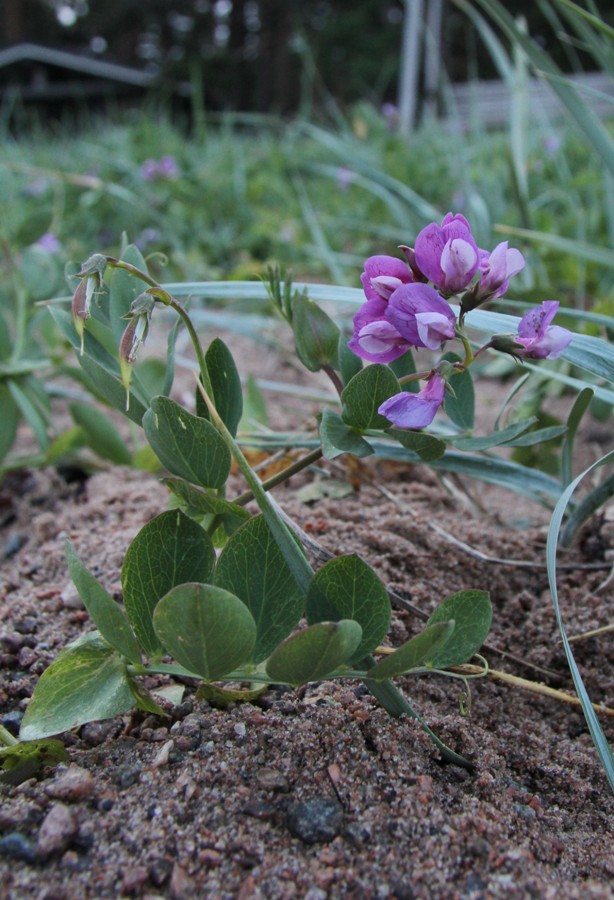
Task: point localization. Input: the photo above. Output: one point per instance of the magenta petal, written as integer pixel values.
(412, 299)
(409, 410)
(383, 267)
(415, 410)
(535, 321)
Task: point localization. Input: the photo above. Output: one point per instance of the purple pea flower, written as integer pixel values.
(538, 338)
(375, 338)
(421, 316)
(496, 269)
(416, 410)
(383, 275)
(448, 254)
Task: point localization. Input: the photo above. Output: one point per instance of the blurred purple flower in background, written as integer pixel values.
(165, 168)
(49, 242)
(407, 410)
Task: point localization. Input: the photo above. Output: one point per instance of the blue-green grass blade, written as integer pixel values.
(599, 739)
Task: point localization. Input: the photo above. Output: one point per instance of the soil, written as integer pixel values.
(318, 793)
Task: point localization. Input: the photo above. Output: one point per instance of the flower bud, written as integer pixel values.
(506, 343)
(81, 303)
(134, 335)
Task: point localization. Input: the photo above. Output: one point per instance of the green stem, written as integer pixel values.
(396, 705)
(282, 476)
(6, 738)
(415, 376)
(160, 294)
(469, 357)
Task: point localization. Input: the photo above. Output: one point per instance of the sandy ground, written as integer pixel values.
(318, 793)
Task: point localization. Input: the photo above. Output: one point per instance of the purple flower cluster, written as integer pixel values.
(403, 311)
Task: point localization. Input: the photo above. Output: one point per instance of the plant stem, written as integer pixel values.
(396, 705)
(6, 738)
(282, 476)
(160, 294)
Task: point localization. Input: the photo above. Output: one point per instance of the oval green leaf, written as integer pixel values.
(347, 588)
(206, 629)
(187, 445)
(253, 567)
(472, 613)
(170, 550)
(315, 652)
(226, 385)
(460, 405)
(365, 393)
(419, 651)
(86, 682)
(337, 437)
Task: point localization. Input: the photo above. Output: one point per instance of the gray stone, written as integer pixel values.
(57, 830)
(315, 820)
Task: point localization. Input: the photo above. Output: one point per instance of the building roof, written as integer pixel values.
(75, 62)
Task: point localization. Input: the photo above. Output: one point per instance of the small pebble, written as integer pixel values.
(12, 720)
(272, 780)
(17, 846)
(13, 545)
(181, 886)
(134, 880)
(96, 733)
(126, 776)
(57, 831)
(69, 598)
(162, 756)
(315, 820)
(72, 785)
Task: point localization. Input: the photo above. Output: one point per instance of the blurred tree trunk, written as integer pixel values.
(275, 87)
(12, 22)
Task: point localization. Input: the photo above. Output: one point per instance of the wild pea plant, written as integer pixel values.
(232, 617)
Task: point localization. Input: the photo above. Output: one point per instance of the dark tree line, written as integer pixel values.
(262, 55)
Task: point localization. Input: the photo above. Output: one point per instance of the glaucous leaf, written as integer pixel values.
(187, 445)
(337, 437)
(203, 503)
(365, 393)
(315, 652)
(347, 588)
(253, 567)
(428, 447)
(418, 652)
(460, 406)
(171, 549)
(106, 615)
(87, 682)
(206, 629)
(315, 334)
(472, 613)
(100, 433)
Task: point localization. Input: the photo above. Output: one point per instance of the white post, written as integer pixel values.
(410, 64)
